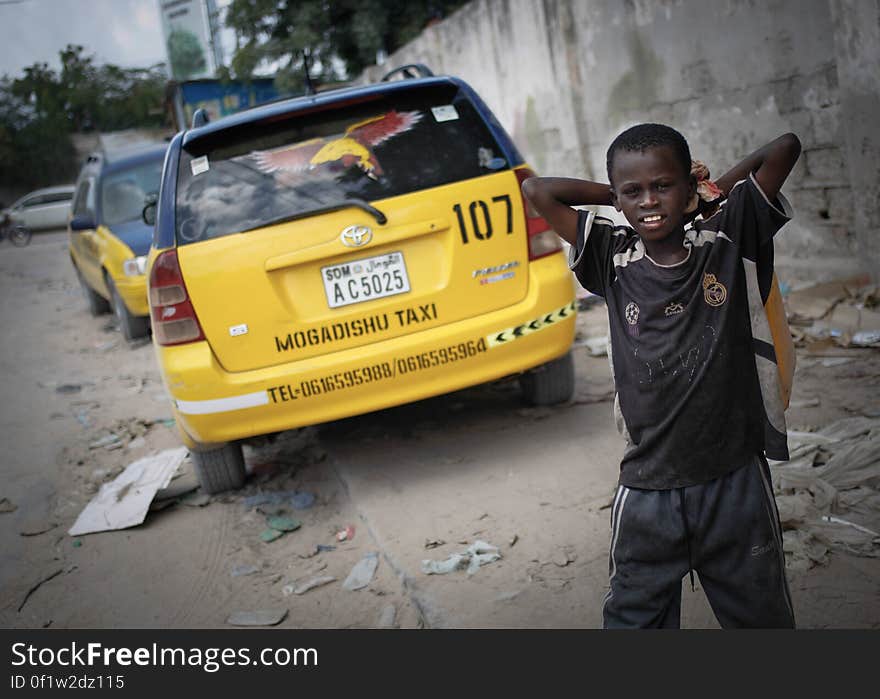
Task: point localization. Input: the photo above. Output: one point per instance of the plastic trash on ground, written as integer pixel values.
(124, 502)
(362, 573)
(473, 558)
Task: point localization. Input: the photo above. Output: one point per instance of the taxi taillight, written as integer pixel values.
(173, 316)
(543, 240)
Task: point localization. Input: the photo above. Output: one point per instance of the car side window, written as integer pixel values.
(56, 198)
(84, 200)
(30, 202)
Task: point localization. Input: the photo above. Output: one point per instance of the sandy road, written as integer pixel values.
(472, 465)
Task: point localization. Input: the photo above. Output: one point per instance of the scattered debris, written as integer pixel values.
(37, 529)
(197, 500)
(124, 501)
(456, 561)
(319, 581)
(828, 493)
(858, 527)
(836, 315)
(477, 554)
(869, 338)
(803, 550)
(278, 527)
(36, 586)
(362, 573)
(804, 403)
(433, 543)
(836, 361)
(269, 535)
(109, 441)
(77, 543)
(177, 490)
(136, 443)
(513, 540)
(298, 500)
(563, 557)
(302, 500)
(6, 506)
(315, 550)
(258, 617)
(284, 524)
(244, 569)
(597, 346)
(346, 534)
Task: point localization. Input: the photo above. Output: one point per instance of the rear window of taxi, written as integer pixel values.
(370, 150)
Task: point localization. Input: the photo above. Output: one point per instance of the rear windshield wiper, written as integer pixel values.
(337, 206)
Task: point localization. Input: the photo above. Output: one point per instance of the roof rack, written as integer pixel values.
(410, 70)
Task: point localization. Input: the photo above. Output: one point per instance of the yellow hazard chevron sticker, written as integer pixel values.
(532, 326)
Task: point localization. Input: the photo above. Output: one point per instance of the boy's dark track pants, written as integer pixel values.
(726, 530)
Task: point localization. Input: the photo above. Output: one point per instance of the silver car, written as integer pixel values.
(43, 208)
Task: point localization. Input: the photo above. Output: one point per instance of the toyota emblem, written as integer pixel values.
(356, 236)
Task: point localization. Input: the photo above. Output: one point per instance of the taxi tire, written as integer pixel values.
(549, 383)
(133, 327)
(97, 304)
(219, 470)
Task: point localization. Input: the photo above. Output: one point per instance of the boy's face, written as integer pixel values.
(652, 190)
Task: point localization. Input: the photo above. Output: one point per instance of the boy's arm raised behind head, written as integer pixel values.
(771, 164)
(553, 197)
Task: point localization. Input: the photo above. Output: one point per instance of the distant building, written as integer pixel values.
(191, 29)
(216, 97)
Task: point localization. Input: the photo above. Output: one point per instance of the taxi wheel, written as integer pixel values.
(97, 304)
(133, 327)
(549, 383)
(218, 470)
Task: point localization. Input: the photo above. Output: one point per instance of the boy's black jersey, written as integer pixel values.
(693, 358)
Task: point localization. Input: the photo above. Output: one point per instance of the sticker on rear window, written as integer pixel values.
(199, 165)
(446, 112)
(486, 158)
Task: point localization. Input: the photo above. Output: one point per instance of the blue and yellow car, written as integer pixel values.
(340, 253)
(108, 239)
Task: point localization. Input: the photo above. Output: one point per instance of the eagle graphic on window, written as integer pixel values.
(354, 147)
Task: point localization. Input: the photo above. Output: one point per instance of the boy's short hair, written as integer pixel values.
(643, 136)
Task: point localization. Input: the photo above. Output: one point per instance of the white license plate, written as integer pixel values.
(364, 280)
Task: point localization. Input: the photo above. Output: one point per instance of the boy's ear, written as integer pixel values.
(693, 198)
(614, 199)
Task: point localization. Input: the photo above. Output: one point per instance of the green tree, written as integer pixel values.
(40, 109)
(186, 54)
(306, 38)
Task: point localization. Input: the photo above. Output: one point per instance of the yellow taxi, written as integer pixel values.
(344, 252)
(108, 239)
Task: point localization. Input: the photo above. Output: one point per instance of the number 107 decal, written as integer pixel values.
(480, 218)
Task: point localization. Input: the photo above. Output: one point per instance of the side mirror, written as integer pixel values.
(82, 223)
(148, 214)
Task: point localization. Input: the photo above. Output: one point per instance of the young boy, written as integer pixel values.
(698, 399)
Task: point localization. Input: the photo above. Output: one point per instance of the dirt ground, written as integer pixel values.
(418, 482)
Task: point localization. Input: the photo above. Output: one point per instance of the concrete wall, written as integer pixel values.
(565, 76)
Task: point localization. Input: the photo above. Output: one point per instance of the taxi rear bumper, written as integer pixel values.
(212, 405)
